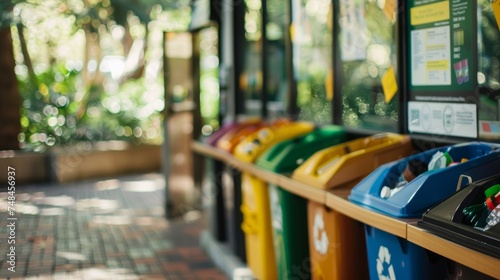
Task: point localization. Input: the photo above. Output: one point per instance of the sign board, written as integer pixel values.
(442, 67)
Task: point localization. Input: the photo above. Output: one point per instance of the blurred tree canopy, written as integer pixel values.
(89, 70)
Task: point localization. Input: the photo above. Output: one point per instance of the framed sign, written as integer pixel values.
(442, 67)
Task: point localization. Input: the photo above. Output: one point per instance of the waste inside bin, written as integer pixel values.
(446, 166)
(255, 200)
(289, 211)
(463, 217)
(336, 242)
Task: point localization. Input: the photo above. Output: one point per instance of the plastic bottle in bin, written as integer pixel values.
(477, 215)
(493, 218)
(416, 167)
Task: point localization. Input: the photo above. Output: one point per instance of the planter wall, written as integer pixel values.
(64, 165)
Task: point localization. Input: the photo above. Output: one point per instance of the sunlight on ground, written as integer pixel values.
(91, 274)
(98, 205)
(61, 201)
(142, 186)
(148, 183)
(71, 256)
(107, 185)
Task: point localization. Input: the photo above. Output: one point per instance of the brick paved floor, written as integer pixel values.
(107, 229)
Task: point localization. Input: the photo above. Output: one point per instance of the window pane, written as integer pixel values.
(311, 34)
(367, 44)
(488, 75)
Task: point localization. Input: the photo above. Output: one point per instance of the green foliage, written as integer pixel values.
(59, 113)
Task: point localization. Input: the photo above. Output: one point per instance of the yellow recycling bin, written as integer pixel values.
(255, 201)
(232, 138)
(352, 160)
(336, 242)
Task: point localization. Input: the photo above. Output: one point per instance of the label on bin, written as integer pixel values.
(385, 270)
(319, 234)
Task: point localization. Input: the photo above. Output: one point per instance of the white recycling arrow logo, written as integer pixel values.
(384, 257)
(319, 234)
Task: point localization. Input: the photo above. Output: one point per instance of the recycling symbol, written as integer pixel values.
(384, 265)
(319, 233)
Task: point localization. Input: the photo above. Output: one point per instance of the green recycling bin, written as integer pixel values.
(289, 211)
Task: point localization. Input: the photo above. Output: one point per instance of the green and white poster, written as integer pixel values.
(442, 58)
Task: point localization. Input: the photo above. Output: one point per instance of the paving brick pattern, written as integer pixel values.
(107, 229)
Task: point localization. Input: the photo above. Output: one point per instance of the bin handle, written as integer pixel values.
(248, 229)
(460, 179)
(249, 225)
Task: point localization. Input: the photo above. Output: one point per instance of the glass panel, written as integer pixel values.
(311, 34)
(488, 75)
(250, 80)
(209, 79)
(178, 50)
(367, 42)
(276, 78)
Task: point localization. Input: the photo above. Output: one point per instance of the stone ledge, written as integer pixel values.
(29, 167)
(71, 164)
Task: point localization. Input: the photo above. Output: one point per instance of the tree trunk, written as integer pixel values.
(26, 55)
(9, 94)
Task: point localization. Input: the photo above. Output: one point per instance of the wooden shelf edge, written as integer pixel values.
(300, 189)
(263, 174)
(303, 190)
(476, 260)
(338, 202)
(207, 150)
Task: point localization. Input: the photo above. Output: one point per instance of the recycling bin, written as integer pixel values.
(289, 211)
(230, 180)
(255, 207)
(463, 217)
(217, 223)
(214, 137)
(349, 162)
(393, 257)
(336, 242)
(435, 175)
(233, 137)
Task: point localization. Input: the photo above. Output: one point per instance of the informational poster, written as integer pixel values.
(442, 57)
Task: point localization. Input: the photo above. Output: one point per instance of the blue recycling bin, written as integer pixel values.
(431, 186)
(393, 257)
(440, 172)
